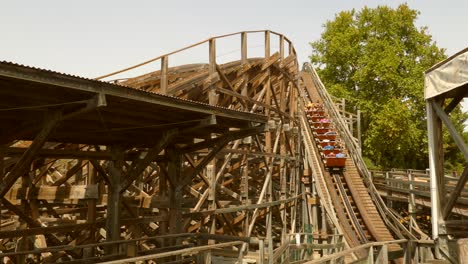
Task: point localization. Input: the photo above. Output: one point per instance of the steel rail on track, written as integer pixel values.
(349, 208)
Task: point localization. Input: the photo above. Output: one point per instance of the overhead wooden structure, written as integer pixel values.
(446, 86)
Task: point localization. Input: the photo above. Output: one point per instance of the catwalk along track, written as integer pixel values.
(190, 163)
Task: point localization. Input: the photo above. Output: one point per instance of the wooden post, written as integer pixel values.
(436, 169)
(382, 255)
(261, 253)
(113, 200)
(359, 130)
(243, 47)
(462, 250)
(389, 192)
(175, 196)
(244, 63)
(164, 68)
(267, 44)
(281, 46)
(245, 192)
(411, 202)
(211, 173)
(91, 214)
(212, 96)
(163, 195)
(370, 256)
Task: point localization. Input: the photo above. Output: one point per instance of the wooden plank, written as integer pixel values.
(74, 192)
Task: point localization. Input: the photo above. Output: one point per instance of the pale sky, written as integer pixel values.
(91, 38)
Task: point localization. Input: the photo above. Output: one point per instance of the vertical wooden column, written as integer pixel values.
(283, 164)
(268, 149)
(411, 202)
(91, 214)
(245, 189)
(243, 47)
(163, 195)
(389, 192)
(23, 243)
(244, 62)
(175, 196)
(2, 168)
(113, 199)
(281, 46)
(212, 96)
(164, 67)
(359, 130)
(211, 174)
(436, 169)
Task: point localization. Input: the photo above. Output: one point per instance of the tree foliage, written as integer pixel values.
(375, 58)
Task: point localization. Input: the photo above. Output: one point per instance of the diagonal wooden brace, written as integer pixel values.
(22, 166)
(141, 165)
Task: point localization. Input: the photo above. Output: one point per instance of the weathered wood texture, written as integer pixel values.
(223, 158)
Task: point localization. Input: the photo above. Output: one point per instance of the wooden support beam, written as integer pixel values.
(455, 101)
(228, 136)
(228, 83)
(455, 194)
(212, 96)
(459, 141)
(164, 67)
(113, 201)
(22, 166)
(142, 164)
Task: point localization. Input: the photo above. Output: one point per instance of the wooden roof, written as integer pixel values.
(103, 113)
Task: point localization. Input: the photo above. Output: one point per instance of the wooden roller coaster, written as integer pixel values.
(200, 163)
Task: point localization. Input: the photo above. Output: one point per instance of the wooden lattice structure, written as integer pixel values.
(175, 160)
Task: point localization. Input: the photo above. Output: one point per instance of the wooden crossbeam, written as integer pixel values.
(455, 194)
(74, 192)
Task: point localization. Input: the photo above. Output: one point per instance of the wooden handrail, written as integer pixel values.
(355, 249)
(282, 37)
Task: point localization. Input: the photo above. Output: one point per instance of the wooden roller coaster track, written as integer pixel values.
(191, 163)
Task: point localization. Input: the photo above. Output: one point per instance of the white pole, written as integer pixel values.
(435, 203)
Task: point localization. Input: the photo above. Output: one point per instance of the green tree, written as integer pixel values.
(375, 58)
